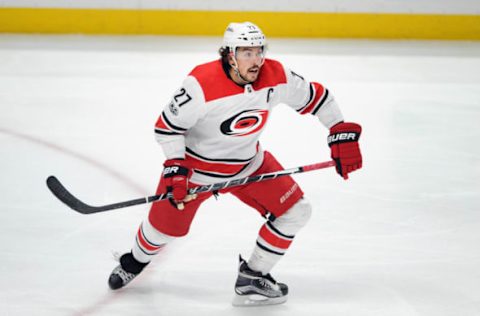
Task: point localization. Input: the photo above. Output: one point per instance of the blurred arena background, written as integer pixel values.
(379, 19)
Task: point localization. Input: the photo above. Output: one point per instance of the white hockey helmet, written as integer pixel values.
(242, 35)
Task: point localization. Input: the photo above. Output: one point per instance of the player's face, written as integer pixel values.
(249, 60)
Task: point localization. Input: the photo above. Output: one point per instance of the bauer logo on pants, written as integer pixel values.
(245, 123)
(288, 193)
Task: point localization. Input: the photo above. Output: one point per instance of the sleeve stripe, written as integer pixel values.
(312, 95)
(319, 92)
(162, 132)
(322, 101)
(172, 126)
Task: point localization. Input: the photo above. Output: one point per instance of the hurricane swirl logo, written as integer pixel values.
(245, 123)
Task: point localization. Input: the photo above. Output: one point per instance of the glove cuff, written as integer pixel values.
(344, 133)
(175, 167)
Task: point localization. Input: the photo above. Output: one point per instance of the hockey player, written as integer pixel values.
(209, 132)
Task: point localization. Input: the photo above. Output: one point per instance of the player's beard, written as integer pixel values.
(252, 73)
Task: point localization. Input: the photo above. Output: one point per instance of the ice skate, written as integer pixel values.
(253, 288)
(125, 272)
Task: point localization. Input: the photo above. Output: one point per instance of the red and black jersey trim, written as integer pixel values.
(165, 127)
(214, 167)
(220, 175)
(194, 154)
(310, 98)
(163, 132)
(322, 101)
(171, 125)
(318, 96)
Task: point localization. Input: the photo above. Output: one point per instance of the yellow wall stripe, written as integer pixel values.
(274, 24)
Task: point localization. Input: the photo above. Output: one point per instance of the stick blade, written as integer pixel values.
(57, 188)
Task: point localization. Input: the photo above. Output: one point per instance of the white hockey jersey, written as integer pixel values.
(215, 124)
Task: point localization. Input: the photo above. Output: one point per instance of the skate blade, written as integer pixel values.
(116, 255)
(257, 300)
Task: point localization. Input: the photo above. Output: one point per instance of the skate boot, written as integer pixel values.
(253, 288)
(125, 272)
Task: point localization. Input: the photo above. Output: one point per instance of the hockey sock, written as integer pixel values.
(148, 242)
(271, 246)
(275, 236)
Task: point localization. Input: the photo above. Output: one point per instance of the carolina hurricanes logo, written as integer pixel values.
(244, 123)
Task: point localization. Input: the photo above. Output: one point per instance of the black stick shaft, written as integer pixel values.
(57, 188)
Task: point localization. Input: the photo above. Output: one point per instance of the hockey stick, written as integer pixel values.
(66, 197)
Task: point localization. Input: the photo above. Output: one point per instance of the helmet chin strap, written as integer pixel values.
(237, 72)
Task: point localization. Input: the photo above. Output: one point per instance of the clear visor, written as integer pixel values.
(249, 54)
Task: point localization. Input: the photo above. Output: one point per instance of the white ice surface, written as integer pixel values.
(401, 237)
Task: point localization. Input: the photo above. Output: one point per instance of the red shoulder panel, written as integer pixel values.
(214, 82)
(272, 74)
